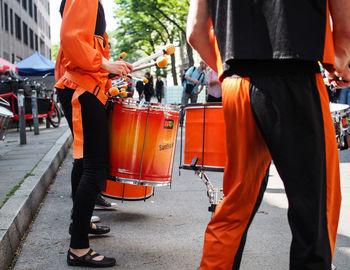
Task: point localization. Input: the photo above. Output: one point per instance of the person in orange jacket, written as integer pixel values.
(81, 72)
(275, 106)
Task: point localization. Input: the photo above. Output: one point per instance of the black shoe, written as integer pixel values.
(88, 260)
(102, 204)
(98, 231)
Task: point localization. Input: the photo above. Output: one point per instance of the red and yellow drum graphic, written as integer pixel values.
(142, 142)
(122, 191)
(205, 136)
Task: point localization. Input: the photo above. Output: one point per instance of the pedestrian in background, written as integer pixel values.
(276, 107)
(194, 82)
(81, 72)
(139, 88)
(159, 89)
(214, 89)
(148, 89)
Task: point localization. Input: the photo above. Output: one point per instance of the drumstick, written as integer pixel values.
(161, 62)
(122, 56)
(170, 49)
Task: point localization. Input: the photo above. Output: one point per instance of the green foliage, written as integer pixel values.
(144, 25)
(54, 51)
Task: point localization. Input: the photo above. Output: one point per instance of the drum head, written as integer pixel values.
(5, 112)
(337, 107)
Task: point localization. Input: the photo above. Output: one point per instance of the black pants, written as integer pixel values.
(211, 98)
(89, 173)
(159, 94)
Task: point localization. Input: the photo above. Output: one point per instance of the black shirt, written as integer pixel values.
(100, 27)
(265, 30)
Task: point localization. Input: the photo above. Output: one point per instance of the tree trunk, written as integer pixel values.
(189, 54)
(173, 69)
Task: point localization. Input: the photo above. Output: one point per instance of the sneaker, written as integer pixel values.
(95, 219)
(333, 267)
(102, 204)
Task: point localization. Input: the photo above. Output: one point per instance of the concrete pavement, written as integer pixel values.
(166, 231)
(25, 174)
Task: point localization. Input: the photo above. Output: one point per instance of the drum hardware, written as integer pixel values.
(214, 194)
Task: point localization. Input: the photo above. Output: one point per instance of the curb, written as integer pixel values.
(18, 212)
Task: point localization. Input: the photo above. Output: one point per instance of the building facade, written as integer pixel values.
(24, 28)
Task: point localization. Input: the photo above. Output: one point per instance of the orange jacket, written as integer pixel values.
(78, 65)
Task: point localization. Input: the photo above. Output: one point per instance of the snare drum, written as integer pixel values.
(5, 116)
(205, 136)
(340, 114)
(142, 142)
(122, 191)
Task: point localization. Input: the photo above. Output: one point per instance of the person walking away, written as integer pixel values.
(276, 106)
(214, 89)
(159, 89)
(82, 69)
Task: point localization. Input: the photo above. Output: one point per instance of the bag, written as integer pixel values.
(189, 88)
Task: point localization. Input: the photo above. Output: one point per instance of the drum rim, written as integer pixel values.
(141, 182)
(209, 105)
(146, 105)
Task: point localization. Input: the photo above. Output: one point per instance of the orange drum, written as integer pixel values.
(142, 142)
(205, 136)
(122, 191)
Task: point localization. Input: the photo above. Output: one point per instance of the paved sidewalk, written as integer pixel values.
(26, 171)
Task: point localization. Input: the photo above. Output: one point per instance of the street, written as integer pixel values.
(167, 230)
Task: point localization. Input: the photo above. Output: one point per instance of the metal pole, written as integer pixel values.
(21, 116)
(35, 113)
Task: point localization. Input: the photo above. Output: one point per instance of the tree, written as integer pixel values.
(54, 51)
(145, 25)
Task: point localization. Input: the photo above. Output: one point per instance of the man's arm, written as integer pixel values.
(198, 28)
(340, 10)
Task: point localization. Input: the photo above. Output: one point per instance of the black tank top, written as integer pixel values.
(100, 27)
(268, 30)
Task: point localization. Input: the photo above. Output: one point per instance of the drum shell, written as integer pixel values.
(122, 191)
(142, 144)
(205, 135)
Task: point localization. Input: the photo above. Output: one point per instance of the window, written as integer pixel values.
(2, 14)
(36, 42)
(18, 27)
(30, 7)
(31, 38)
(35, 13)
(25, 33)
(11, 21)
(24, 4)
(6, 17)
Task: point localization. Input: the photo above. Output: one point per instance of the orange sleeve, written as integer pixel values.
(77, 35)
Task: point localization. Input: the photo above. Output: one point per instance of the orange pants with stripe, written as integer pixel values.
(285, 118)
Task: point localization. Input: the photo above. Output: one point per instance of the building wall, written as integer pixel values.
(24, 28)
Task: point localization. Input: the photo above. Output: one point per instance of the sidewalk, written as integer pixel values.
(25, 173)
